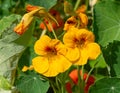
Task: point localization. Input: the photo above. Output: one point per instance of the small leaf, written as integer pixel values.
(32, 83)
(106, 85)
(4, 84)
(107, 21)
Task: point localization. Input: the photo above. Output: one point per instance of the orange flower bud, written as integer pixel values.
(83, 20)
(81, 9)
(40, 13)
(25, 22)
(30, 8)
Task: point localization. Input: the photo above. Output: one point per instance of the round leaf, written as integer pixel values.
(107, 21)
(32, 84)
(106, 85)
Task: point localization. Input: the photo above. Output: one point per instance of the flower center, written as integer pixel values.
(51, 51)
(80, 42)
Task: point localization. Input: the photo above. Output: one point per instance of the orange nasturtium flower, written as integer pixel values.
(50, 61)
(25, 22)
(72, 21)
(49, 21)
(79, 21)
(83, 40)
(74, 77)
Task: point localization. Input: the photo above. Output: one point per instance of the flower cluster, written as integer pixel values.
(56, 56)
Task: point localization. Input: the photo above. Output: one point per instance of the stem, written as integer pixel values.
(53, 88)
(89, 74)
(77, 4)
(87, 4)
(82, 73)
(57, 83)
(52, 85)
(79, 79)
(52, 30)
(43, 33)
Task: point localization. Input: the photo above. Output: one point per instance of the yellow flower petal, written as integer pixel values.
(83, 58)
(68, 39)
(40, 64)
(41, 44)
(25, 68)
(31, 67)
(94, 50)
(58, 64)
(83, 20)
(73, 54)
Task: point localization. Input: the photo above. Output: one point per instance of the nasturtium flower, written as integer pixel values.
(84, 41)
(74, 77)
(25, 22)
(72, 21)
(51, 60)
(79, 21)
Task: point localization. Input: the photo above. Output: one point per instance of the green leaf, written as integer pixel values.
(98, 63)
(107, 21)
(112, 57)
(32, 83)
(106, 85)
(4, 84)
(11, 45)
(44, 3)
(6, 28)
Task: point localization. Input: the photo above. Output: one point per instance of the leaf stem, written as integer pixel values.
(79, 79)
(89, 74)
(43, 33)
(52, 30)
(77, 4)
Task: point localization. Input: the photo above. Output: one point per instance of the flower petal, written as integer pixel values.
(58, 64)
(40, 64)
(94, 50)
(73, 54)
(83, 57)
(68, 39)
(41, 44)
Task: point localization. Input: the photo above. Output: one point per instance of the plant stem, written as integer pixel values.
(82, 73)
(43, 33)
(87, 4)
(89, 74)
(52, 30)
(79, 79)
(77, 4)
